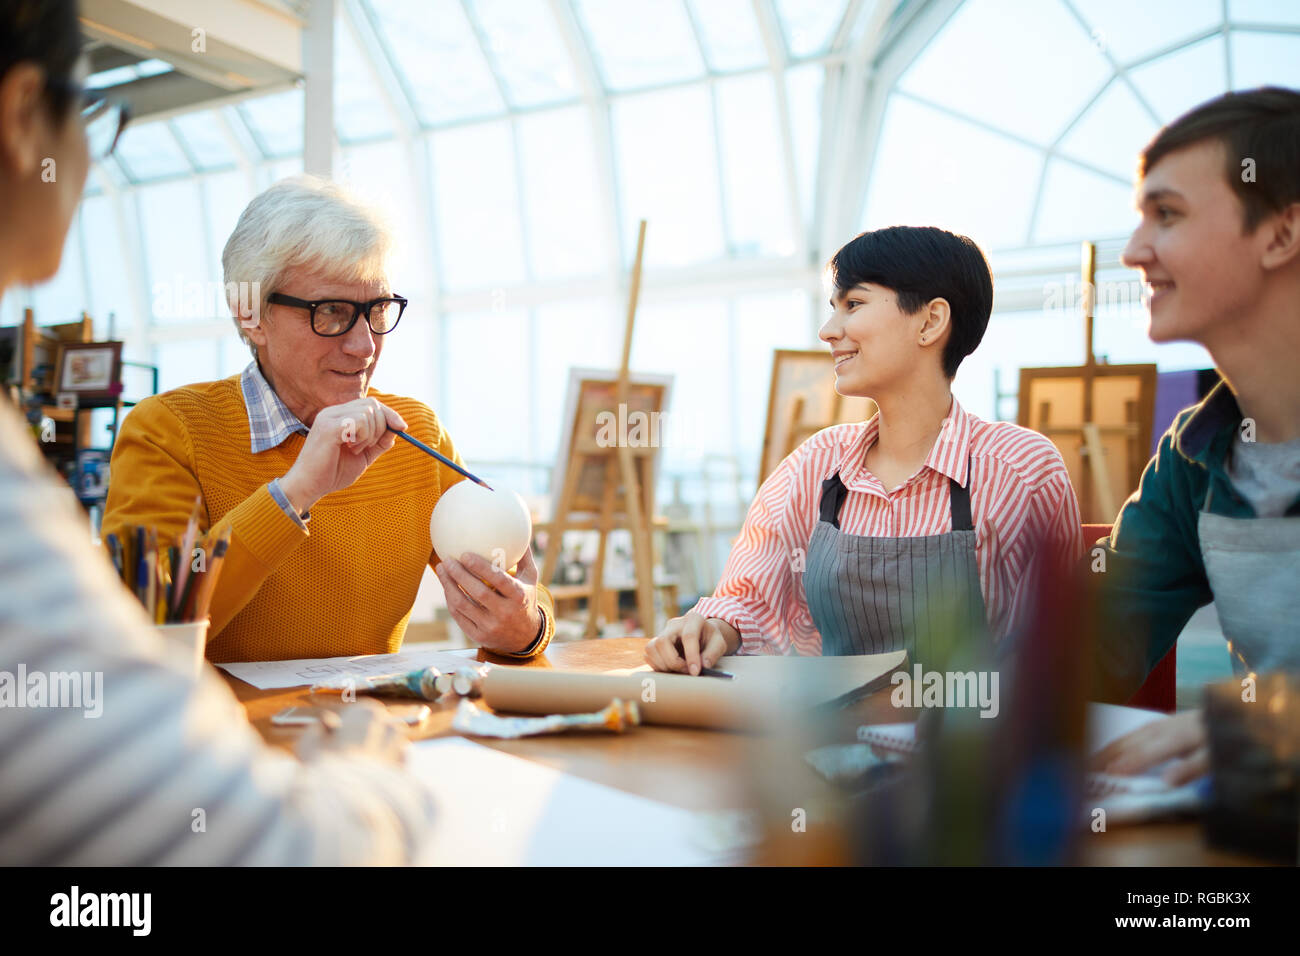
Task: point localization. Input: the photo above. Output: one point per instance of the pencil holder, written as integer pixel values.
(186, 642)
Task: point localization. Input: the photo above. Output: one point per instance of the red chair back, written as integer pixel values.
(1160, 690)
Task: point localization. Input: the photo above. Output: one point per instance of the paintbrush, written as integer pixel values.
(441, 457)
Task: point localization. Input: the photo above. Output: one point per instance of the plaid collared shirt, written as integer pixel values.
(269, 423)
(269, 420)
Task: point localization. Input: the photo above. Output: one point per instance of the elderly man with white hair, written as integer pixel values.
(329, 522)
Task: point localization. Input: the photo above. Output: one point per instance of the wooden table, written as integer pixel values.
(714, 770)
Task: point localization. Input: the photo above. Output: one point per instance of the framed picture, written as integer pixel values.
(92, 473)
(90, 369)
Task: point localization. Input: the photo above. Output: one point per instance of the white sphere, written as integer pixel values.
(494, 524)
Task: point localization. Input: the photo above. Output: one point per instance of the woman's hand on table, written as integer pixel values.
(691, 642)
(343, 442)
(1180, 738)
(492, 608)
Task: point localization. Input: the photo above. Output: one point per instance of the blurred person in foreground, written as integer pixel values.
(122, 778)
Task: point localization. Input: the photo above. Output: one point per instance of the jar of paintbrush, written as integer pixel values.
(173, 583)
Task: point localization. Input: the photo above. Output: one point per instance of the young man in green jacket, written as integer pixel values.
(1217, 514)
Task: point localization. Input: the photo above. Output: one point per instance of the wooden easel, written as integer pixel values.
(1094, 476)
(801, 401)
(1099, 416)
(626, 468)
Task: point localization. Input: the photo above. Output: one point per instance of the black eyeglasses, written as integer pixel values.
(330, 317)
(104, 119)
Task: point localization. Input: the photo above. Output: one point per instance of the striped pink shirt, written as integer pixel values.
(1021, 501)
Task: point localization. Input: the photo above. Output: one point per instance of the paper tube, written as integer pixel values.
(663, 698)
(763, 689)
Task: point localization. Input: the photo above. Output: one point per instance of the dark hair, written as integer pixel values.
(1262, 125)
(921, 263)
(44, 32)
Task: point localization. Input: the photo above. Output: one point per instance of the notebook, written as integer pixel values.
(1124, 798)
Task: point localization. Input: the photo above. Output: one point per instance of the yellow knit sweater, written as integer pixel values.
(343, 587)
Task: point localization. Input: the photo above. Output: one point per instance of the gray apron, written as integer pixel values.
(870, 595)
(1254, 569)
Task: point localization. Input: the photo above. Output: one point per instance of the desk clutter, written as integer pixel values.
(466, 682)
(425, 683)
(560, 739)
(757, 687)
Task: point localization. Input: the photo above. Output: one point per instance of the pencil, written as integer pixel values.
(187, 550)
(163, 613)
(151, 573)
(141, 569)
(183, 596)
(203, 598)
(114, 552)
(128, 567)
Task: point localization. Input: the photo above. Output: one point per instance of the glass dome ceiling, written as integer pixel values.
(1051, 128)
(515, 144)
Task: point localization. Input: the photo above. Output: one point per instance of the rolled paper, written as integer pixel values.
(764, 691)
(675, 699)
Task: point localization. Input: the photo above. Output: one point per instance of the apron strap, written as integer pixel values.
(959, 503)
(833, 495)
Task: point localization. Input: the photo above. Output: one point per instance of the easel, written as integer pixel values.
(1094, 477)
(801, 401)
(625, 468)
(797, 430)
(1107, 410)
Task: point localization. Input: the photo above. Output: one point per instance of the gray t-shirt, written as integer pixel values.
(1267, 475)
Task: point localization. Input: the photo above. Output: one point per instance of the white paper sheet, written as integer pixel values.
(1107, 722)
(495, 809)
(265, 675)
